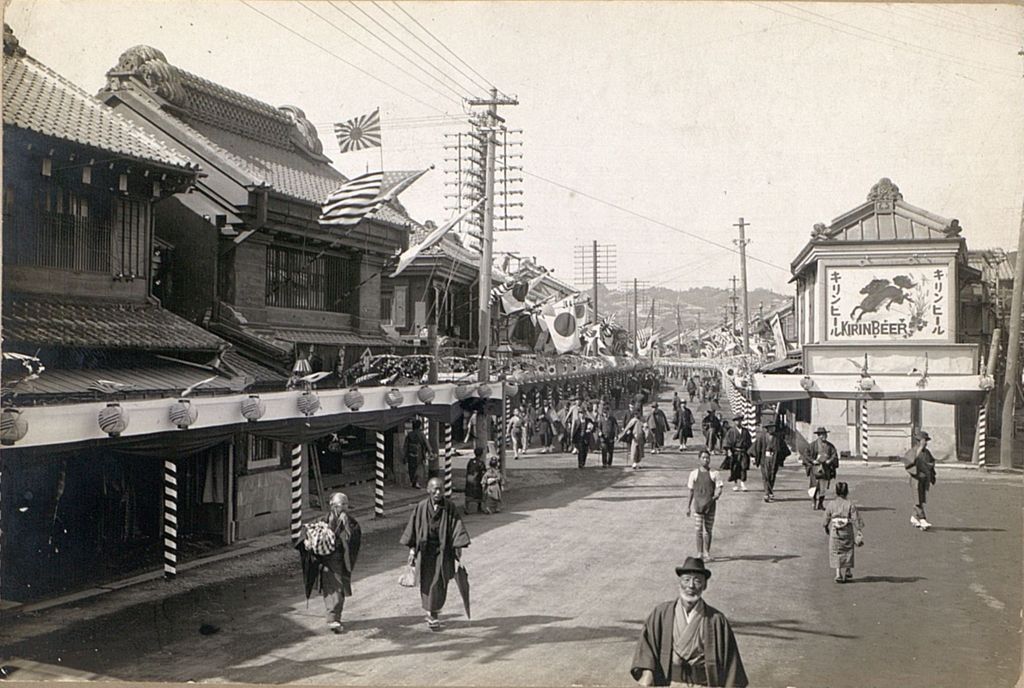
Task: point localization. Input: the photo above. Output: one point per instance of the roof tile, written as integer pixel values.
(103, 326)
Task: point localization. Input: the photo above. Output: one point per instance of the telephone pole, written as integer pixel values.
(1012, 377)
(733, 299)
(491, 124)
(679, 333)
(742, 243)
(700, 337)
(636, 343)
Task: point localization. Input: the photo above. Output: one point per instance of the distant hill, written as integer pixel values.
(711, 303)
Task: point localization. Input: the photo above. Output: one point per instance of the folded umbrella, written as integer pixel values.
(462, 581)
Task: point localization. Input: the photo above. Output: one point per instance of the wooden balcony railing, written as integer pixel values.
(57, 240)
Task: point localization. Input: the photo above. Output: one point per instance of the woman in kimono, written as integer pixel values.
(547, 433)
(636, 434)
(494, 485)
(843, 525)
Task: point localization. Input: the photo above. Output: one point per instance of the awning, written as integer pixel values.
(782, 365)
(946, 389)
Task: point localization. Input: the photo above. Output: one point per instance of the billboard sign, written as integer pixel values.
(887, 303)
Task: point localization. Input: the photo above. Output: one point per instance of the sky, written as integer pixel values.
(652, 127)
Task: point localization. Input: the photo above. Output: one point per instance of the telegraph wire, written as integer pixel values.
(978, 20)
(487, 84)
(652, 220)
(395, 50)
(341, 59)
(932, 20)
(887, 40)
(458, 96)
(404, 44)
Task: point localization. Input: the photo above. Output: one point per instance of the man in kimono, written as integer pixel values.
(687, 641)
(684, 423)
(769, 450)
(658, 423)
(608, 431)
(921, 469)
(435, 537)
(334, 569)
(711, 425)
(736, 443)
(821, 464)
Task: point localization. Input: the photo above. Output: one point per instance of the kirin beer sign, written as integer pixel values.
(890, 303)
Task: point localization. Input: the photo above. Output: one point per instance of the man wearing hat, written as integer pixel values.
(769, 450)
(736, 443)
(821, 463)
(687, 641)
(920, 465)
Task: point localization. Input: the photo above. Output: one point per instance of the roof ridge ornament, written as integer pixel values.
(12, 47)
(885, 190)
(820, 232)
(306, 131)
(150, 66)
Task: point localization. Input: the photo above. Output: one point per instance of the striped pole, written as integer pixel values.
(750, 415)
(296, 491)
(1, 525)
(447, 459)
(170, 520)
(864, 430)
(378, 482)
(982, 431)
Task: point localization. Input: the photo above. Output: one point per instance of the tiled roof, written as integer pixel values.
(38, 99)
(102, 326)
(138, 380)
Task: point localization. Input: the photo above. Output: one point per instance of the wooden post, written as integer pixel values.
(981, 436)
(447, 459)
(170, 519)
(296, 491)
(1012, 377)
(378, 483)
(864, 430)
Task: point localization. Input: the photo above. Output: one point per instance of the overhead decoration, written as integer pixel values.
(113, 419)
(13, 426)
(359, 133)
(345, 207)
(308, 403)
(253, 408)
(425, 394)
(183, 414)
(483, 390)
(393, 398)
(353, 399)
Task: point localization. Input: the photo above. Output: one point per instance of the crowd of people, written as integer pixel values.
(684, 641)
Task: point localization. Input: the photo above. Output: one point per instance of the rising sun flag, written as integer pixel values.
(359, 133)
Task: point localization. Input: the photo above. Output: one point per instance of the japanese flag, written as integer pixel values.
(563, 320)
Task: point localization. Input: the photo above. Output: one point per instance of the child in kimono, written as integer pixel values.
(494, 485)
(843, 525)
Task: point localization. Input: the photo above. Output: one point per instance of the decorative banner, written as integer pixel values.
(890, 303)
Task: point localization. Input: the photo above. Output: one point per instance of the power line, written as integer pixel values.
(651, 219)
(917, 15)
(458, 95)
(404, 44)
(998, 27)
(445, 46)
(886, 40)
(341, 59)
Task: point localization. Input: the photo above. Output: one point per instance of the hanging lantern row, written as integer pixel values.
(308, 403)
(113, 419)
(393, 397)
(184, 414)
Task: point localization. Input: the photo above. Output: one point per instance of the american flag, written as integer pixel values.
(358, 197)
(359, 133)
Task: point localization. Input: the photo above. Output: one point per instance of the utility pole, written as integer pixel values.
(679, 333)
(733, 299)
(743, 277)
(491, 124)
(1012, 358)
(700, 337)
(636, 344)
(595, 281)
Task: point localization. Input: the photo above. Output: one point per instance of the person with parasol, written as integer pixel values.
(328, 548)
(435, 536)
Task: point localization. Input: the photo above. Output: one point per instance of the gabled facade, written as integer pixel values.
(880, 301)
(245, 250)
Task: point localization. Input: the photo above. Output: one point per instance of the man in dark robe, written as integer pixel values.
(334, 569)
(769, 450)
(691, 388)
(711, 425)
(821, 463)
(608, 431)
(921, 469)
(658, 423)
(736, 443)
(687, 641)
(684, 423)
(435, 537)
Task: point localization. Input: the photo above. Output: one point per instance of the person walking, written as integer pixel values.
(711, 426)
(494, 487)
(658, 424)
(675, 403)
(545, 425)
(768, 450)
(705, 487)
(607, 432)
(844, 527)
(331, 544)
(686, 641)
(920, 466)
(417, 451)
(515, 431)
(581, 440)
(684, 425)
(475, 469)
(736, 443)
(435, 536)
(691, 388)
(820, 463)
(634, 434)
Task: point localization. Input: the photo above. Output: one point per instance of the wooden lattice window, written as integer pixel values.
(306, 280)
